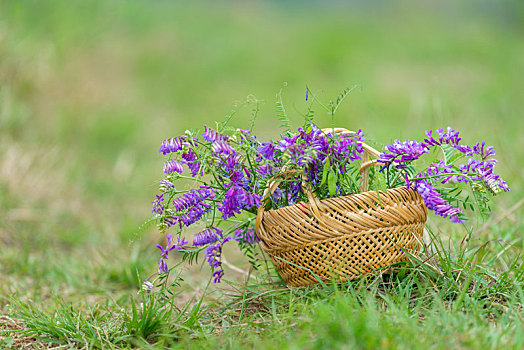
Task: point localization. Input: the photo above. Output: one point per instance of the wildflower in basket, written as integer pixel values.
(477, 171)
(267, 150)
(232, 169)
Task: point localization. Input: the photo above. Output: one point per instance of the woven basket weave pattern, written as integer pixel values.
(354, 235)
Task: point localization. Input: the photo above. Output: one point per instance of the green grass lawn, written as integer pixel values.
(88, 90)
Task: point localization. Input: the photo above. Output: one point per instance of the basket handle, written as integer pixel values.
(313, 200)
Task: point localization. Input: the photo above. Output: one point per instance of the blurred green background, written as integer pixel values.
(89, 89)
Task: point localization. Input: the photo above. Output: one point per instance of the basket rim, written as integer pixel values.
(396, 189)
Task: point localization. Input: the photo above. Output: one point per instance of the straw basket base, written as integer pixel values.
(346, 238)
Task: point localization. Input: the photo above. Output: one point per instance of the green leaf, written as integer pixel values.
(309, 129)
(327, 164)
(332, 183)
(450, 154)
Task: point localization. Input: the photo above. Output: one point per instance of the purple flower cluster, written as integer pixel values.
(483, 171)
(434, 201)
(483, 151)
(400, 152)
(173, 166)
(222, 147)
(191, 160)
(476, 170)
(267, 150)
(450, 136)
(209, 235)
(239, 168)
(173, 144)
(193, 198)
(190, 207)
(213, 252)
(351, 145)
(164, 252)
(211, 135)
(443, 173)
(309, 150)
(158, 208)
(237, 198)
(246, 235)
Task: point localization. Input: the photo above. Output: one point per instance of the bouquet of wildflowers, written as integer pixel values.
(215, 179)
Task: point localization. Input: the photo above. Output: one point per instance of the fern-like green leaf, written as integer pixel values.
(281, 113)
(340, 98)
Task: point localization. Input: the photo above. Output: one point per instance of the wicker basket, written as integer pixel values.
(342, 238)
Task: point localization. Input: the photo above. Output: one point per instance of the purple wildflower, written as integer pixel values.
(192, 198)
(237, 198)
(173, 166)
(158, 208)
(443, 169)
(434, 201)
(286, 142)
(162, 266)
(483, 171)
(265, 170)
(165, 185)
(164, 252)
(209, 235)
(173, 145)
(295, 188)
(277, 195)
(400, 152)
(193, 214)
(190, 207)
(217, 276)
(346, 145)
(267, 150)
(231, 163)
(211, 135)
(191, 160)
(213, 253)
(481, 150)
(450, 136)
(246, 236)
(247, 137)
(222, 147)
